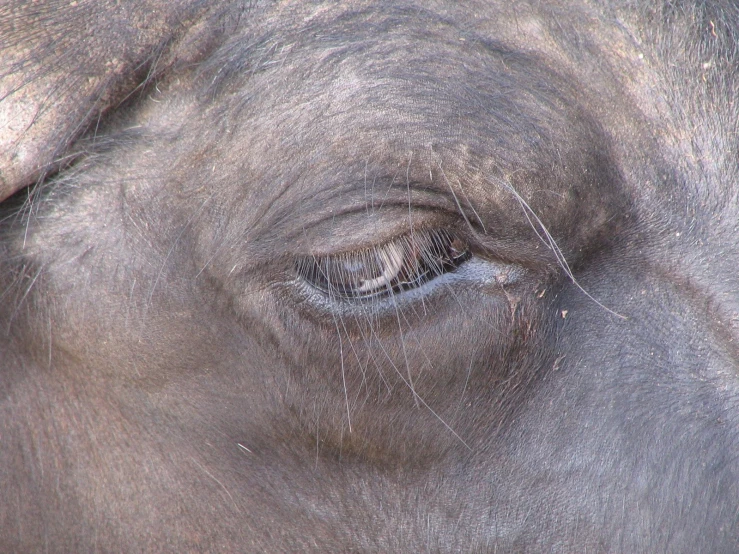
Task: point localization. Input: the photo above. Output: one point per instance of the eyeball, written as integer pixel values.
(401, 264)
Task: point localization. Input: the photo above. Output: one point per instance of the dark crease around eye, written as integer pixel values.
(404, 263)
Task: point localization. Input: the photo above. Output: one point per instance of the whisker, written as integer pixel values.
(551, 243)
(343, 375)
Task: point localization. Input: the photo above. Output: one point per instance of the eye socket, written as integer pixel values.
(401, 264)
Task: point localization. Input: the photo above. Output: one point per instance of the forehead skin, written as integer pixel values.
(168, 388)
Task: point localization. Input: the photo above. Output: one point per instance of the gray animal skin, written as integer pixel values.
(369, 276)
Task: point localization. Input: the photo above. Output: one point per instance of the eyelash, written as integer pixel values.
(401, 264)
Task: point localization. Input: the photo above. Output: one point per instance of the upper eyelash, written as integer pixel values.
(401, 264)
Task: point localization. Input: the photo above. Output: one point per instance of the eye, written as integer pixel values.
(401, 264)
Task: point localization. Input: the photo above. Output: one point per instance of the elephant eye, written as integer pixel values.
(401, 264)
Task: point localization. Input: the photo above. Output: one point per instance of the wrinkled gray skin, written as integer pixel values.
(170, 383)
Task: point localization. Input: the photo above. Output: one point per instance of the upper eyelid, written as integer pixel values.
(396, 210)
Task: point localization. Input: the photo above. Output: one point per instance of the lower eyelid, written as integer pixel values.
(476, 274)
